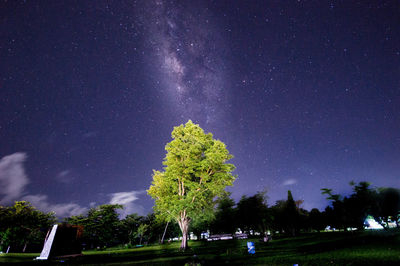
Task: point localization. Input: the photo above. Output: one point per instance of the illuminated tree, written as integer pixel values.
(195, 173)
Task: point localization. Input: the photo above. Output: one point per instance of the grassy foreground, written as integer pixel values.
(365, 248)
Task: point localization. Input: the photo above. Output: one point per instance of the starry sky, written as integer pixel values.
(305, 94)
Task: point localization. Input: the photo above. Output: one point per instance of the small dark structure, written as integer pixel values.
(63, 240)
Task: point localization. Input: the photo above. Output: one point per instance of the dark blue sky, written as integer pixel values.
(305, 94)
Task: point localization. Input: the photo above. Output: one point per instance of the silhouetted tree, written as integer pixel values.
(277, 216)
(360, 204)
(388, 206)
(316, 220)
(225, 216)
(252, 213)
(351, 211)
(287, 217)
(303, 224)
(336, 216)
(291, 215)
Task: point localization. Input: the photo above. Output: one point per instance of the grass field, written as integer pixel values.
(334, 248)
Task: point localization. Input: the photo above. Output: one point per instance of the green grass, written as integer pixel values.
(365, 248)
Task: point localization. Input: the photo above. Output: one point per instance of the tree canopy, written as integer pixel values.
(101, 225)
(351, 211)
(196, 171)
(252, 213)
(22, 226)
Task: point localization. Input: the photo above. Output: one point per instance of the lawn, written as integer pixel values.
(333, 248)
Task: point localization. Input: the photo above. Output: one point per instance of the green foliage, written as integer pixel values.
(103, 228)
(21, 226)
(200, 226)
(101, 225)
(131, 224)
(142, 229)
(196, 171)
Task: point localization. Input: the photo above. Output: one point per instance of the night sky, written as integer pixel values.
(305, 94)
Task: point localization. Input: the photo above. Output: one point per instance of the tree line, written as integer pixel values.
(196, 172)
(23, 227)
(287, 217)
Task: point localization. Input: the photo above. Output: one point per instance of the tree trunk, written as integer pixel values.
(130, 237)
(165, 230)
(386, 223)
(183, 222)
(293, 231)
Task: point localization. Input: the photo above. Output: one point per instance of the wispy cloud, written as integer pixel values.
(41, 202)
(127, 199)
(289, 182)
(65, 177)
(90, 134)
(13, 181)
(13, 178)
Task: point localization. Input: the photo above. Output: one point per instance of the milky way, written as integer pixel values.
(189, 65)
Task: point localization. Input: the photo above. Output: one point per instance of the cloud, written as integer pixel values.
(289, 182)
(90, 134)
(127, 199)
(64, 177)
(13, 178)
(13, 181)
(41, 202)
